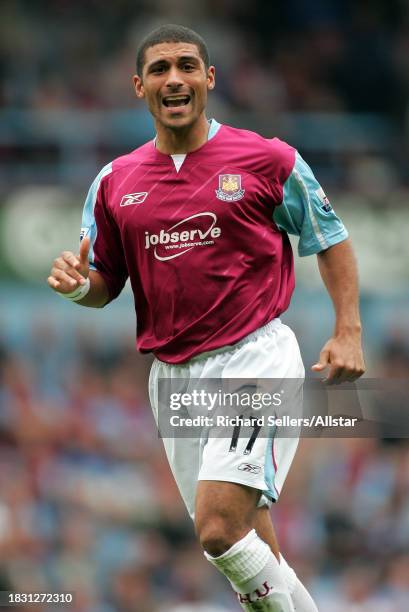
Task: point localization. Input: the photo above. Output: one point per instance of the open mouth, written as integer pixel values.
(175, 101)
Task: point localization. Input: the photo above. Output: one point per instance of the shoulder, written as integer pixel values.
(141, 155)
(271, 157)
(256, 140)
(125, 163)
(115, 173)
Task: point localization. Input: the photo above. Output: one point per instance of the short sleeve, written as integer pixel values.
(106, 252)
(306, 212)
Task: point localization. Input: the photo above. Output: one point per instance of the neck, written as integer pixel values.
(183, 140)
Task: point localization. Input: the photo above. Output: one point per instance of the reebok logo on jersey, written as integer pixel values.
(133, 198)
(194, 231)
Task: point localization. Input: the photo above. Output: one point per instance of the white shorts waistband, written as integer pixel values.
(228, 348)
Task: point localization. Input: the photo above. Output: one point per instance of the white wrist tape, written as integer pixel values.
(78, 293)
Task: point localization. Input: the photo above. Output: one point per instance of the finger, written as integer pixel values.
(322, 363)
(71, 259)
(335, 375)
(351, 372)
(53, 283)
(68, 269)
(318, 367)
(61, 263)
(67, 283)
(75, 275)
(356, 374)
(84, 250)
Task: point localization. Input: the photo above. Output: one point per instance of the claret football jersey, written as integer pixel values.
(207, 259)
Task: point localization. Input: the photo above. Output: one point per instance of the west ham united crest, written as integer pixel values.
(230, 188)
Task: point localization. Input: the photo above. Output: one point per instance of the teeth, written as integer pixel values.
(176, 100)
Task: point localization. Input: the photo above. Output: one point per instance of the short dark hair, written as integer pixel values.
(171, 33)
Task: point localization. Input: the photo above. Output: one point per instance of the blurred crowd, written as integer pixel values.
(277, 62)
(286, 54)
(88, 503)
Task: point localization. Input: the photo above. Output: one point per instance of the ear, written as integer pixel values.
(211, 78)
(139, 88)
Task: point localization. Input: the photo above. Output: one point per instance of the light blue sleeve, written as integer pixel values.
(88, 224)
(306, 212)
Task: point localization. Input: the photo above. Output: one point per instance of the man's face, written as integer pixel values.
(174, 84)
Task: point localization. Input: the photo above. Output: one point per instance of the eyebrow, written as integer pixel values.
(182, 58)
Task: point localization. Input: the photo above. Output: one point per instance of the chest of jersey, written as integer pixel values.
(203, 207)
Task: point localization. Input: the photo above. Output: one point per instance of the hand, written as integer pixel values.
(69, 271)
(343, 355)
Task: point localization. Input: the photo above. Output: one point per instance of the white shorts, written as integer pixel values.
(270, 352)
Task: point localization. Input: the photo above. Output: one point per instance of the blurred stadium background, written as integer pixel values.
(86, 498)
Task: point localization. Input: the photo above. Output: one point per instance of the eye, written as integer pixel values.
(157, 69)
(188, 67)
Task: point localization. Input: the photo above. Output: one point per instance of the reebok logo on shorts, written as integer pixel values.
(249, 467)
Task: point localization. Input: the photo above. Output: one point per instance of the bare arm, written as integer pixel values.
(342, 353)
(70, 271)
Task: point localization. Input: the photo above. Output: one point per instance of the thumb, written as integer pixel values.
(84, 250)
(322, 363)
